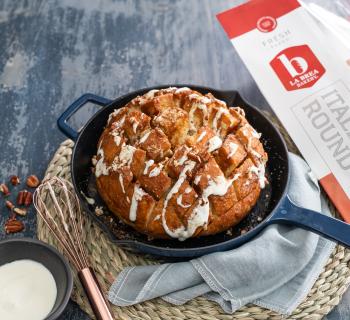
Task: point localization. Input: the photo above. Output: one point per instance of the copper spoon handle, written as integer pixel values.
(94, 293)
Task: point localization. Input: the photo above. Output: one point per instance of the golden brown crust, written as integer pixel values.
(176, 163)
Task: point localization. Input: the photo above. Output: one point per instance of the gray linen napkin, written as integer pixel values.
(275, 270)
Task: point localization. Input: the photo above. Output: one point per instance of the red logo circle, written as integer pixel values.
(266, 24)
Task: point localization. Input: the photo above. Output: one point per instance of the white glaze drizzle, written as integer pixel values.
(134, 126)
(193, 96)
(144, 137)
(88, 199)
(170, 89)
(200, 215)
(184, 89)
(188, 190)
(179, 202)
(260, 172)
(114, 113)
(217, 117)
(101, 168)
(156, 171)
(124, 158)
(255, 153)
(178, 232)
(214, 143)
(182, 160)
(201, 99)
(150, 94)
(256, 134)
(119, 123)
(204, 109)
(252, 130)
(223, 103)
(116, 136)
(197, 179)
(147, 165)
(260, 169)
(236, 176)
(137, 196)
(202, 135)
(233, 149)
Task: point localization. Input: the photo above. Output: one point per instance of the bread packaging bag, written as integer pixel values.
(305, 77)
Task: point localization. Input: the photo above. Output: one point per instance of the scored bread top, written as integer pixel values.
(174, 163)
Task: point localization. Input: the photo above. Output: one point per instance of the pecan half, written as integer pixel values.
(4, 189)
(24, 197)
(9, 205)
(20, 197)
(33, 181)
(13, 225)
(15, 180)
(28, 199)
(20, 211)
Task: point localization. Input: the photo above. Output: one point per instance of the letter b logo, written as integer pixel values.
(297, 67)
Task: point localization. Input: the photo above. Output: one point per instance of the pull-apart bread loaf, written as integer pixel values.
(174, 163)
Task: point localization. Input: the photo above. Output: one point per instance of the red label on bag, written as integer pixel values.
(257, 14)
(297, 67)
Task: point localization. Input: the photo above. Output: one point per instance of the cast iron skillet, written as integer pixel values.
(273, 206)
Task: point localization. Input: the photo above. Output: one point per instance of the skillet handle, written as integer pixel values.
(73, 108)
(328, 227)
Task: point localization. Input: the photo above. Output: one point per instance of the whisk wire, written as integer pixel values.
(68, 235)
(67, 210)
(52, 225)
(78, 224)
(75, 226)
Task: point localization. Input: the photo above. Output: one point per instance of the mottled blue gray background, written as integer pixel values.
(51, 52)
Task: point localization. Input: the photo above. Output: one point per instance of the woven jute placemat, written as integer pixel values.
(108, 260)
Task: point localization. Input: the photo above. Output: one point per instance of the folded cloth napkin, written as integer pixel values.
(275, 270)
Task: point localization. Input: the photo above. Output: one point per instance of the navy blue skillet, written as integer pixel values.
(273, 206)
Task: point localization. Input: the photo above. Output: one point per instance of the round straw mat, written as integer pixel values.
(108, 260)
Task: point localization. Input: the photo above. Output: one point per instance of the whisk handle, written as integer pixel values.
(94, 293)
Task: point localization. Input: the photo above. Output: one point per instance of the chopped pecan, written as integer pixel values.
(9, 205)
(20, 211)
(24, 197)
(33, 181)
(15, 180)
(4, 189)
(13, 225)
(20, 197)
(28, 199)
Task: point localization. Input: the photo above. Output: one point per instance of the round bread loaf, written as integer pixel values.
(174, 163)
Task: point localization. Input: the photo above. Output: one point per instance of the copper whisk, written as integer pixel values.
(64, 219)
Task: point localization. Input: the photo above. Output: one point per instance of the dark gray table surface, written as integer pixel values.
(51, 52)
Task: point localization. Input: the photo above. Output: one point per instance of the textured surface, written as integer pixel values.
(53, 51)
